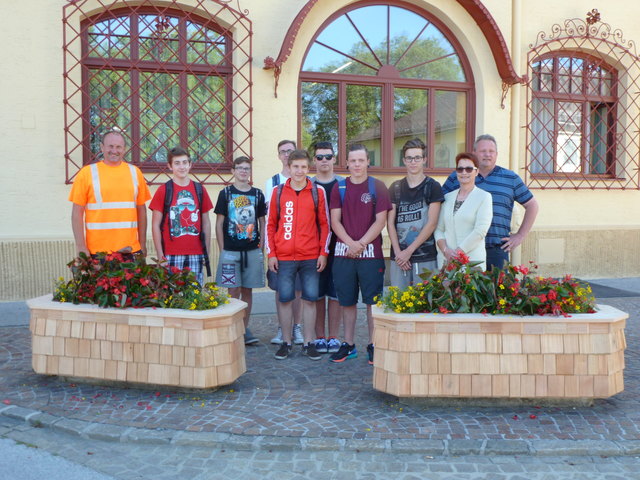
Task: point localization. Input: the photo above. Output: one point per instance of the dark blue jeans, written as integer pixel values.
(306, 270)
(496, 257)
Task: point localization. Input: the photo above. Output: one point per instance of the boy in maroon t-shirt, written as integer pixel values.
(178, 240)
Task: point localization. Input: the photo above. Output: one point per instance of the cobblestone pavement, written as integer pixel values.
(194, 462)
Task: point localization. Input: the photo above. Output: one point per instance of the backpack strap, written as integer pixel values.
(314, 195)
(203, 240)
(168, 196)
(275, 180)
(278, 195)
(342, 189)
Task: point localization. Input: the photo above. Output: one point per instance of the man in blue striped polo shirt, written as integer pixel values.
(505, 186)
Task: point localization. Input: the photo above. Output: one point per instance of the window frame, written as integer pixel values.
(388, 83)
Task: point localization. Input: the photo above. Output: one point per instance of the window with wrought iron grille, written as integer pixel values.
(381, 74)
(162, 75)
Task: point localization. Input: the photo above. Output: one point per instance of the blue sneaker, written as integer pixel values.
(321, 345)
(346, 351)
(370, 353)
(333, 345)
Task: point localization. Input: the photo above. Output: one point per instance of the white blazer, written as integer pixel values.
(468, 227)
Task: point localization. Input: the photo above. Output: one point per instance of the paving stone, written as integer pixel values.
(426, 447)
(365, 445)
(108, 433)
(20, 413)
(143, 435)
(575, 447)
(279, 443)
(464, 447)
(506, 447)
(323, 444)
(71, 426)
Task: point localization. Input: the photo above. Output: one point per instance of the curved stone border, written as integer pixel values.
(455, 447)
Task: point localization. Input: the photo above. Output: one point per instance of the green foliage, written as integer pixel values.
(109, 281)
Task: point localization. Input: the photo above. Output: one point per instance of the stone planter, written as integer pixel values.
(183, 348)
(484, 356)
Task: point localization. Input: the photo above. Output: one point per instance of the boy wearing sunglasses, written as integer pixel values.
(415, 201)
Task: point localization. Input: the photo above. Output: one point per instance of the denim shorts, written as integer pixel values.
(353, 275)
(306, 270)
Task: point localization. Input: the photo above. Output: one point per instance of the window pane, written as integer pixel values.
(364, 111)
(109, 93)
(598, 145)
(206, 118)
(450, 127)
(576, 75)
(159, 115)
(542, 136)
(569, 137)
(204, 45)
(543, 75)
(158, 38)
(319, 113)
(564, 79)
(110, 38)
(410, 114)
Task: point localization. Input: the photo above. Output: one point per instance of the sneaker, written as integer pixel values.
(278, 338)
(370, 353)
(321, 345)
(310, 351)
(333, 345)
(345, 352)
(283, 352)
(298, 339)
(249, 339)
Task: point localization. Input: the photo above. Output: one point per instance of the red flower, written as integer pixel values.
(552, 295)
(144, 282)
(461, 257)
(443, 309)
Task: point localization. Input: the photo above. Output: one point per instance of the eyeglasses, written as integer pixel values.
(243, 169)
(415, 159)
(326, 156)
(285, 152)
(465, 169)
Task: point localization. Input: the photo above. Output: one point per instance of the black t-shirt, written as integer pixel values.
(327, 189)
(412, 214)
(241, 211)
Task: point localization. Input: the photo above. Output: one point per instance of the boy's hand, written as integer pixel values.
(273, 264)
(322, 263)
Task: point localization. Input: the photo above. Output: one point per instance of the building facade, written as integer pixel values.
(555, 82)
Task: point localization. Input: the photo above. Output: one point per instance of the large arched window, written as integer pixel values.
(383, 74)
(162, 74)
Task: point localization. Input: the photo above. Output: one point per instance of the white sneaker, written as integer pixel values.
(278, 338)
(298, 339)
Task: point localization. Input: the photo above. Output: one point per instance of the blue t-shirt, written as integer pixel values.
(505, 187)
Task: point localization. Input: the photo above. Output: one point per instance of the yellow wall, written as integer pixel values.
(35, 223)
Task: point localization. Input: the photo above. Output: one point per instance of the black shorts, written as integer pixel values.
(351, 276)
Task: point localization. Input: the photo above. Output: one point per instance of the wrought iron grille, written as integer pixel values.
(583, 110)
(165, 74)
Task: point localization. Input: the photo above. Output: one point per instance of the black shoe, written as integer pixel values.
(370, 353)
(346, 351)
(310, 351)
(283, 352)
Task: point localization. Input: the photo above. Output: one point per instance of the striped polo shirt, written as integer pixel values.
(505, 187)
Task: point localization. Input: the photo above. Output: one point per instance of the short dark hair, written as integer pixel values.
(298, 155)
(113, 131)
(486, 136)
(354, 147)
(323, 146)
(177, 152)
(284, 142)
(414, 143)
(241, 160)
(467, 156)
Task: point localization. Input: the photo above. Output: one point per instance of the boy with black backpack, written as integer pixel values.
(180, 223)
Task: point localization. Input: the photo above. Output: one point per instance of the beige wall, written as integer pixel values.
(35, 237)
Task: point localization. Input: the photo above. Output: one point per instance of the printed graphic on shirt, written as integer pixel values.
(342, 249)
(184, 217)
(409, 221)
(242, 218)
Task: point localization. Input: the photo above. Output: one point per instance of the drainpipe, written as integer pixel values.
(515, 152)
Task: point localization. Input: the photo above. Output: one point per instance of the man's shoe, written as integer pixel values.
(283, 352)
(370, 353)
(333, 345)
(310, 351)
(298, 339)
(249, 339)
(345, 352)
(321, 345)
(278, 338)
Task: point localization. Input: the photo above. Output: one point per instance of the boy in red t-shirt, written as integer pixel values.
(182, 234)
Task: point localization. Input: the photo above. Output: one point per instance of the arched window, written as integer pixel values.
(573, 116)
(381, 75)
(164, 76)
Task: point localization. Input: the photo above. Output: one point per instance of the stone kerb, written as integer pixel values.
(184, 348)
(485, 356)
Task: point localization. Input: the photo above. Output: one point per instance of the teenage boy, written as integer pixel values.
(297, 244)
(359, 207)
(240, 212)
(285, 147)
(413, 218)
(180, 222)
(324, 158)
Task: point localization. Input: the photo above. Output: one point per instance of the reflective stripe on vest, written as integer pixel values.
(100, 205)
(111, 225)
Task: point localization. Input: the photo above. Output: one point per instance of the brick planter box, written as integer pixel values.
(484, 356)
(183, 348)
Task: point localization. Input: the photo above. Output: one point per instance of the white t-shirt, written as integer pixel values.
(268, 187)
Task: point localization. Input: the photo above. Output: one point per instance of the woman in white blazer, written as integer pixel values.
(465, 216)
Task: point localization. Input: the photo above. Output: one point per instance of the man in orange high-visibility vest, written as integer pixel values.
(109, 196)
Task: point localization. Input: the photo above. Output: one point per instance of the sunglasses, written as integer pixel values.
(465, 169)
(327, 156)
